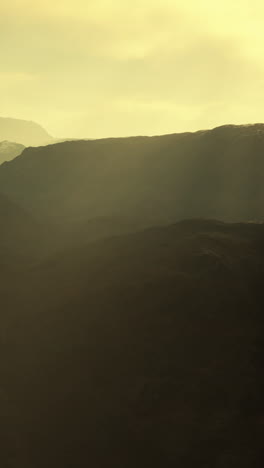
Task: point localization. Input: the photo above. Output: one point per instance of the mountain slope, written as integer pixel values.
(140, 350)
(216, 173)
(24, 132)
(20, 235)
(9, 150)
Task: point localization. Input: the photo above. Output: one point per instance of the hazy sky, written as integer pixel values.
(92, 68)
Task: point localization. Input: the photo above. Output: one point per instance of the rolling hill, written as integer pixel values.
(212, 174)
(140, 350)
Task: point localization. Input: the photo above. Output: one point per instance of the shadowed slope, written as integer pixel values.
(20, 235)
(141, 350)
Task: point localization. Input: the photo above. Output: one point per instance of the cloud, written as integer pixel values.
(14, 78)
(114, 67)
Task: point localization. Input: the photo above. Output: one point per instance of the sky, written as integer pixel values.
(97, 68)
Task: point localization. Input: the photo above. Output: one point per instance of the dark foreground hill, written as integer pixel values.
(213, 174)
(144, 350)
(24, 132)
(20, 235)
(9, 150)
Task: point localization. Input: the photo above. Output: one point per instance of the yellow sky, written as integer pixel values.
(95, 68)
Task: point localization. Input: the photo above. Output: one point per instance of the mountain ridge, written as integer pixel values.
(213, 173)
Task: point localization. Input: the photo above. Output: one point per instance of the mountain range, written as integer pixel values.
(131, 325)
(210, 174)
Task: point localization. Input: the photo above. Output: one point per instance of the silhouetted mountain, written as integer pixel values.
(143, 350)
(24, 132)
(9, 150)
(215, 174)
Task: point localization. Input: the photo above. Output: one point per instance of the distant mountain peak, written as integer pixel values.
(25, 132)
